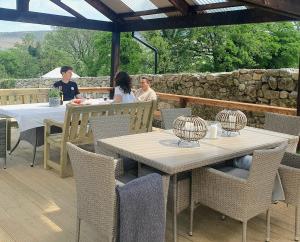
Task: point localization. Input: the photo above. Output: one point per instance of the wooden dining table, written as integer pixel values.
(160, 150)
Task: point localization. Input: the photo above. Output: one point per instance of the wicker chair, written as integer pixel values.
(169, 115)
(3, 140)
(107, 127)
(236, 197)
(289, 172)
(96, 195)
(284, 124)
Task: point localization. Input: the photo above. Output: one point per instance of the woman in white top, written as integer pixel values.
(123, 93)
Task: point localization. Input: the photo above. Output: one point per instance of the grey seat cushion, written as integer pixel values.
(237, 172)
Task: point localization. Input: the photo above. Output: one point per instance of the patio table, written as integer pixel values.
(159, 150)
(30, 118)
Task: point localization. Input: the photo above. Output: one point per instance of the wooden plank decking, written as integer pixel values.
(38, 206)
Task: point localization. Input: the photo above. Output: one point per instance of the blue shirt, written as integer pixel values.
(69, 90)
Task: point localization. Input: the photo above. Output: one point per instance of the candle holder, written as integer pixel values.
(232, 121)
(189, 129)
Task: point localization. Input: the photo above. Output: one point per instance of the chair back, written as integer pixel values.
(169, 115)
(95, 184)
(282, 123)
(262, 174)
(107, 127)
(23, 96)
(77, 130)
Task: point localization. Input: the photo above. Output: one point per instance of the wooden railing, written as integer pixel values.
(184, 100)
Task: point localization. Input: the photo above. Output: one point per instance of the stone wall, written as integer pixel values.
(271, 87)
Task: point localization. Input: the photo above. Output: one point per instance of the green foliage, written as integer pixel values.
(54, 92)
(214, 49)
(7, 83)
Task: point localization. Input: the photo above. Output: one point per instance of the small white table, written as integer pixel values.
(159, 150)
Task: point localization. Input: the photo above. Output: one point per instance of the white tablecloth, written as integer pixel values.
(31, 116)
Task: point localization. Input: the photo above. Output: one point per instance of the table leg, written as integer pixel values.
(174, 180)
(34, 150)
(16, 145)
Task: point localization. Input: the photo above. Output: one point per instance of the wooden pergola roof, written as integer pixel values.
(161, 14)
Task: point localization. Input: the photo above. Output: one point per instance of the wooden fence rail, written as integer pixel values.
(184, 100)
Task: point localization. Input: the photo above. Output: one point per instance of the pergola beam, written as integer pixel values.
(195, 8)
(289, 8)
(201, 20)
(105, 10)
(22, 5)
(181, 5)
(55, 20)
(67, 8)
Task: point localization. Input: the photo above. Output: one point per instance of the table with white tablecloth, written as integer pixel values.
(30, 118)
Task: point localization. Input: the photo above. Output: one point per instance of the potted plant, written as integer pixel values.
(54, 97)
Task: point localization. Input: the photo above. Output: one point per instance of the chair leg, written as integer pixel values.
(268, 218)
(192, 204)
(191, 218)
(297, 216)
(78, 229)
(244, 232)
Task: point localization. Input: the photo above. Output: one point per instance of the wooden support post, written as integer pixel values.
(183, 102)
(115, 58)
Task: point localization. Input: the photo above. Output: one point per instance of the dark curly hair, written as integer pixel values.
(123, 80)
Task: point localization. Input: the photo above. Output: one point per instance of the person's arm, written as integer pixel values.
(117, 98)
(77, 93)
(118, 95)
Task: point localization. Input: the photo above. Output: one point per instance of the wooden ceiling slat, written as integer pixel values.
(54, 20)
(67, 8)
(201, 20)
(195, 8)
(117, 6)
(106, 11)
(181, 5)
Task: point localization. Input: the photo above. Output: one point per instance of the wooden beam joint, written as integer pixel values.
(22, 5)
(182, 6)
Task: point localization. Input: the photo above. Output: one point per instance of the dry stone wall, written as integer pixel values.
(271, 87)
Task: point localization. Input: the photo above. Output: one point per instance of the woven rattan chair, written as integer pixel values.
(107, 127)
(96, 195)
(169, 115)
(289, 172)
(3, 140)
(239, 198)
(284, 124)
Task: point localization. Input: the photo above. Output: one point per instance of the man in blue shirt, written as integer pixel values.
(68, 87)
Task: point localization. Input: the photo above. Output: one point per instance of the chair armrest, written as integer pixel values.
(225, 176)
(51, 122)
(291, 160)
(224, 187)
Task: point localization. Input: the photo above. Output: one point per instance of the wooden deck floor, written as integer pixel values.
(37, 205)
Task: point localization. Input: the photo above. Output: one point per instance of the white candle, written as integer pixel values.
(213, 130)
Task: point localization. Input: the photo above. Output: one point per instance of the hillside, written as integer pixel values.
(9, 39)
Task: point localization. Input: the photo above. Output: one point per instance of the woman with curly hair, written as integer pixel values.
(123, 92)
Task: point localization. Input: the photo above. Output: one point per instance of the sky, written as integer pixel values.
(46, 6)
